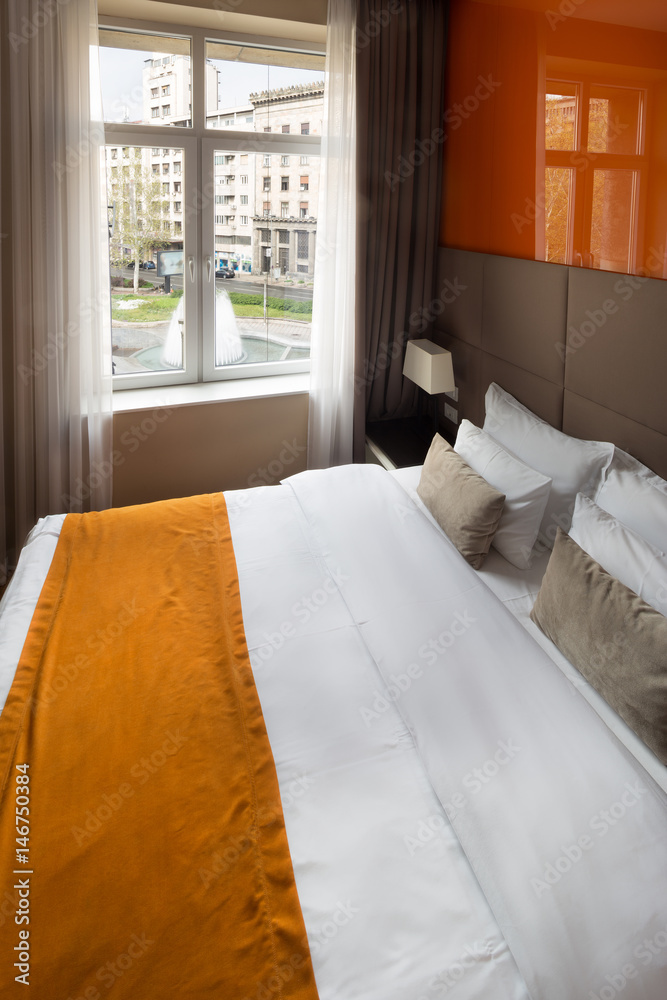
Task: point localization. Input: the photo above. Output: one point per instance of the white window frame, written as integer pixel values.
(198, 143)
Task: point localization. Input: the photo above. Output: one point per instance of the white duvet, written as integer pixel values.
(461, 822)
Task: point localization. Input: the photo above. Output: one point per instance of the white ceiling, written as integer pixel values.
(650, 14)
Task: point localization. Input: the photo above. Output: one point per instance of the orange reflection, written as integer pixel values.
(565, 159)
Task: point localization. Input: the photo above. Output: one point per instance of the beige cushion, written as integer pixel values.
(613, 637)
(464, 505)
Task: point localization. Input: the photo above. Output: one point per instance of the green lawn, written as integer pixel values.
(152, 309)
(258, 310)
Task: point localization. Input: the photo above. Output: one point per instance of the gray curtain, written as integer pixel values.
(401, 47)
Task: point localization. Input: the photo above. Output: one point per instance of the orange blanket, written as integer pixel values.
(142, 843)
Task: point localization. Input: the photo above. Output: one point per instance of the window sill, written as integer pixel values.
(128, 400)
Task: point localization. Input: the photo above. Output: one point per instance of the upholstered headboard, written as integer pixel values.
(585, 349)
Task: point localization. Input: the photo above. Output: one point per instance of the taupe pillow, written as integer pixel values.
(613, 637)
(462, 502)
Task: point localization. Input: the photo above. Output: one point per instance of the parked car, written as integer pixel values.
(225, 272)
(148, 264)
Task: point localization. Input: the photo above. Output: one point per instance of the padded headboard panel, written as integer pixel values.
(584, 349)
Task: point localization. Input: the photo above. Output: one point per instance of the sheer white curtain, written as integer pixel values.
(56, 325)
(333, 348)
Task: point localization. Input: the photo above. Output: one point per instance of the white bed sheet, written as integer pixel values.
(518, 589)
(391, 904)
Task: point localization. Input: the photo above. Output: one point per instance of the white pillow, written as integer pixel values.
(621, 551)
(526, 491)
(637, 497)
(574, 466)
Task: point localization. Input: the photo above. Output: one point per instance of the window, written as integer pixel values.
(165, 152)
(285, 129)
(284, 209)
(594, 175)
(192, 220)
(303, 210)
(155, 91)
(305, 128)
(303, 160)
(301, 244)
(114, 154)
(265, 235)
(303, 183)
(302, 268)
(283, 236)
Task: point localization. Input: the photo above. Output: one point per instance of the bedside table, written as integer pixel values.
(398, 444)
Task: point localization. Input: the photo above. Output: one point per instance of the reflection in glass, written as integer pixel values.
(146, 78)
(558, 214)
(561, 115)
(614, 120)
(264, 254)
(145, 217)
(613, 220)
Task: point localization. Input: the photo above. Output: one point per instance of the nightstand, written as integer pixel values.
(398, 444)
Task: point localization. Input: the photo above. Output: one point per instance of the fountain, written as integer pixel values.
(228, 346)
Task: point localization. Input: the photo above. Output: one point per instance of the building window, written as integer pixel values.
(301, 244)
(283, 236)
(114, 154)
(265, 235)
(206, 224)
(305, 128)
(303, 183)
(303, 160)
(302, 268)
(303, 210)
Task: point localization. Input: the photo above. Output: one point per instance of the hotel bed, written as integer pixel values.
(466, 814)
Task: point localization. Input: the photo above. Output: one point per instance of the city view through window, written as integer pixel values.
(260, 207)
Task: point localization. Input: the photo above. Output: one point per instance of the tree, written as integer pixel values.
(141, 211)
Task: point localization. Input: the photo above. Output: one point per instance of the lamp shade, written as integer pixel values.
(429, 366)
